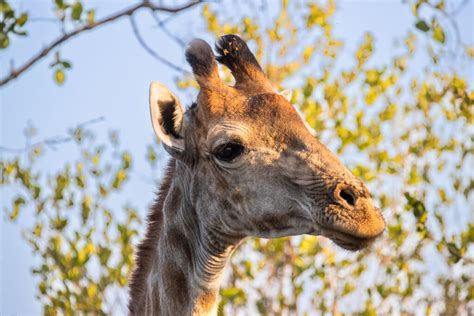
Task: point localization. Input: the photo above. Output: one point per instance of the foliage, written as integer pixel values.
(83, 241)
(408, 125)
(10, 23)
(13, 22)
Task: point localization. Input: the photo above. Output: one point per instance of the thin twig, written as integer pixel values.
(39, 19)
(165, 30)
(460, 7)
(52, 141)
(14, 73)
(150, 50)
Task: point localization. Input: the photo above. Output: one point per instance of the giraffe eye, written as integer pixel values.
(229, 151)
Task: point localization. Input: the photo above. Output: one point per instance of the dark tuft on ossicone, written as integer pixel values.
(235, 54)
(201, 58)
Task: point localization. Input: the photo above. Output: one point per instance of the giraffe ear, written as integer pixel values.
(166, 117)
(287, 94)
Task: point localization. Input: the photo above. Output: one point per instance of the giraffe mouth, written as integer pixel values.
(348, 241)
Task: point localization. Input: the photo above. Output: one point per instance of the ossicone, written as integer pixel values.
(234, 53)
(200, 57)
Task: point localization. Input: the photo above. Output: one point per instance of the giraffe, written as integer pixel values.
(243, 163)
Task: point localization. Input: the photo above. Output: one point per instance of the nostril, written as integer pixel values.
(348, 196)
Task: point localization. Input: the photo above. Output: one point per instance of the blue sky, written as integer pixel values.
(110, 77)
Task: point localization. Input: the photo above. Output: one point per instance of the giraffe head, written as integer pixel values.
(251, 166)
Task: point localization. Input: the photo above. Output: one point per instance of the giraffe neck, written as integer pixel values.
(190, 258)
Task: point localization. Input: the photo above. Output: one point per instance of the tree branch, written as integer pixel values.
(150, 50)
(165, 30)
(15, 73)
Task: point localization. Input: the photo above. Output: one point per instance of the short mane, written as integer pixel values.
(147, 248)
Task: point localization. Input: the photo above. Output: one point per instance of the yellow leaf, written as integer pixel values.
(307, 53)
(59, 77)
(371, 96)
(90, 17)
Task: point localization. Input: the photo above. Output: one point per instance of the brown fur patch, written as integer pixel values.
(206, 301)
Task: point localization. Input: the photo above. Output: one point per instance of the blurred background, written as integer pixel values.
(387, 85)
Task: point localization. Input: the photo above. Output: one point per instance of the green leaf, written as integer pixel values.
(59, 4)
(5, 7)
(151, 154)
(120, 176)
(17, 204)
(348, 288)
(441, 5)
(422, 26)
(456, 253)
(126, 160)
(66, 64)
(59, 223)
(4, 40)
(21, 20)
(76, 11)
(86, 207)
